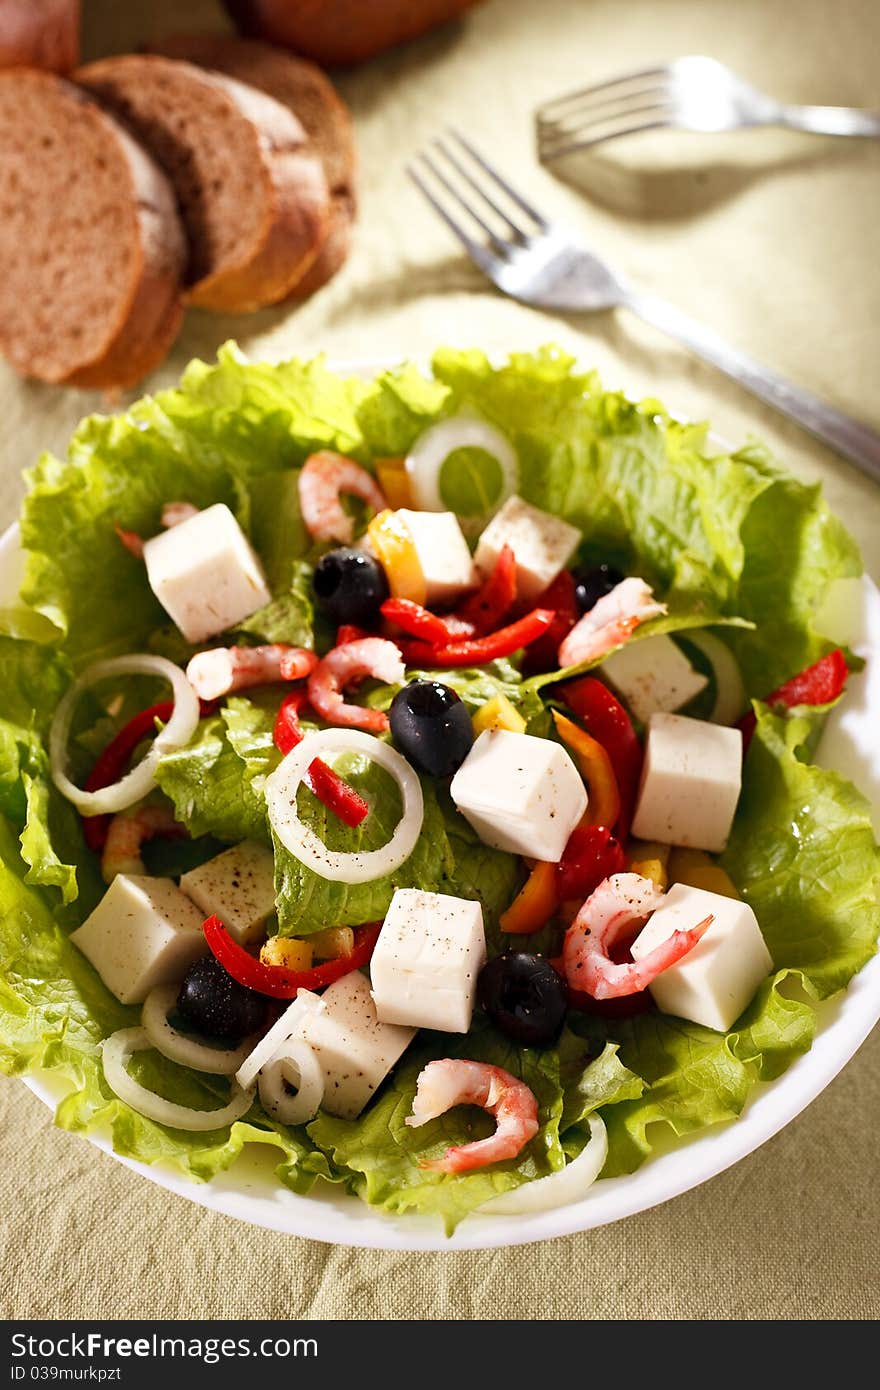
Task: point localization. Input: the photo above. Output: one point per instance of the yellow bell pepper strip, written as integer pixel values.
(653, 869)
(535, 903)
(648, 849)
(696, 869)
(394, 482)
(394, 546)
(289, 951)
(595, 767)
(332, 942)
(498, 713)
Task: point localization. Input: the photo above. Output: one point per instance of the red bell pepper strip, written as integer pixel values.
(276, 980)
(111, 764)
(543, 655)
(495, 597)
(605, 718)
(419, 622)
(327, 785)
(348, 632)
(477, 651)
(819, 684)
(591, 855)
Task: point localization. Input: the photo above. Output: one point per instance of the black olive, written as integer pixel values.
(349, 585)
(432, 727)
(215, 1004)
(524, 997)
(591, 585)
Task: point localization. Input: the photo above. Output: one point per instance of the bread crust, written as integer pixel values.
(310, 95)
(40, 34)
(144, 322)
(280, 169)
(341, 31)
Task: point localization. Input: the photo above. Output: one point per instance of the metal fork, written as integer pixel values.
(541, 263)
(694, 93)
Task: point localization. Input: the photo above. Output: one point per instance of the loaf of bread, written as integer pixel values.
(39, 34)
(309, 94)
(252, 194)
(92, 251)
(341, 31)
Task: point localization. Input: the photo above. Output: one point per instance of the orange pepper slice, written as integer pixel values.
(535, 903)
(394, 481)
(596, 769)
(395, 548)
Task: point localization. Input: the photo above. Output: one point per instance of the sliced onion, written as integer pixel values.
(426, 458)
(358, 867)
(281, 1031)
(116, 1051)
(296, 1063)
(141, 780)
(182, 1047)
(558, 1189)
(730, 693)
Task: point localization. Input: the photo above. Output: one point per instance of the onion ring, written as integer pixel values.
(115, 1052)
(360, 866)
(730, 693)
(296, 1063)
(141, 780)
(181, 1047)
(425, 460)
(557, 1189)
(273, 1042)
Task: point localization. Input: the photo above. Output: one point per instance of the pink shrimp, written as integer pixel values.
(346, 665)
(322, 478)
(133, 542)
(456, 1082)
(610, 622)
(173, 513)
(219, 670)
(619, 903)
(128, 831)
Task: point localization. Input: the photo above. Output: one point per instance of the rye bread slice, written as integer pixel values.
(311, 96)
(253, 197)
(39, 34)
(91, 246)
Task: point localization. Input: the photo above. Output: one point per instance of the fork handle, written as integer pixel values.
(850, 437)
(831, 120)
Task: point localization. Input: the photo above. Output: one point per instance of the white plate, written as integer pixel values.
(851, 744)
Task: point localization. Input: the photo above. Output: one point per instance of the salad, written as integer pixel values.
(415, 775)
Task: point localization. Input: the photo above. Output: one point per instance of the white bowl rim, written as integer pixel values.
(249, 1193)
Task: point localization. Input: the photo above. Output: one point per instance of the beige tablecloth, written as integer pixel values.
(770, 238)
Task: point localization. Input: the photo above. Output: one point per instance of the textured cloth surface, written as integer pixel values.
(771, 239)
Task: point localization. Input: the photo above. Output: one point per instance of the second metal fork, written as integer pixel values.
(540, 262)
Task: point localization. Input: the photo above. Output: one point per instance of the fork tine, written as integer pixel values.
(548, 151)
(499, 244)
(618, 104)
(477, 252)
(548, 106)
(540, 222)
(468, 177)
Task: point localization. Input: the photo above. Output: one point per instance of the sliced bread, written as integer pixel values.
(253, 197)
(91, 247)
(39, 34)
(310, 95)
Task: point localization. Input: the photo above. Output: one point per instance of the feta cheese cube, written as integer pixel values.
(442, 551)
(715, 981)
(690, 785)
(652, 676)
(425, 965)
(205, 574)
(355, 1051)
(543, 545)
(238, 885)
(144, 932)
(520, 793)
